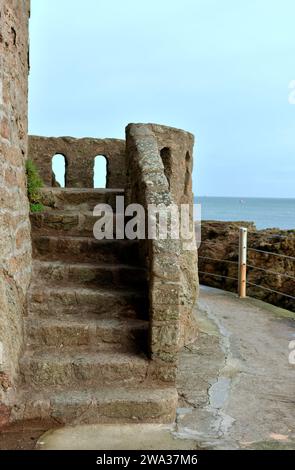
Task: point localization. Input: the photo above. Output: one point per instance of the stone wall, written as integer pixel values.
(178, 146)
(15, 245)
(220, 240)
(79, 155)
(171, 301)
(153, 166)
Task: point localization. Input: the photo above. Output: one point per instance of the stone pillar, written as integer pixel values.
(172, 269)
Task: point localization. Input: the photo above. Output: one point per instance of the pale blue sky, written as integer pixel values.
(218, 68)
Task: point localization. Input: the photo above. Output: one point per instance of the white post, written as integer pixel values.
(242, 262)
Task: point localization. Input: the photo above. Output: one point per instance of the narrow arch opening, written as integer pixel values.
(187, 179)
(59, 170)
(100, 172)
(166, 159)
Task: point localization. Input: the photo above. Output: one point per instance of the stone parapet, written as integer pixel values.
(172, 279)
(79, 159)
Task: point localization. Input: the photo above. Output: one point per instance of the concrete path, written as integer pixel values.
(236, 386)
(236, 383)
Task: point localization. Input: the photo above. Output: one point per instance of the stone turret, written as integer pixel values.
(89, 329)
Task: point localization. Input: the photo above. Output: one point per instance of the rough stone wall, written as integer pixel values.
(79, 155)
(170, 301)
(154, 166)
(220, 240)
(15, 245)
(179, 146)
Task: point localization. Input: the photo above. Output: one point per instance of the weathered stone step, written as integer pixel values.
(53, 272)
(99, 334)
(106, 405)
(50, 301)
(72, 368)
(85, 249)
(82, 198)
(74, 222)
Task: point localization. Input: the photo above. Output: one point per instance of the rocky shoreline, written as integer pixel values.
(269, 272)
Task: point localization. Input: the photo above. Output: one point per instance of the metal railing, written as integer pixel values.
(243, 267)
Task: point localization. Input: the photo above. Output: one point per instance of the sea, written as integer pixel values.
(264, 212)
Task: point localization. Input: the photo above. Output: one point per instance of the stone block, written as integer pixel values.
(165, 312)
(164, 338)
(165, 293)
(165, 266)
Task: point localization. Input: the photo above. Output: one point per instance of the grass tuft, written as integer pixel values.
(34, 184)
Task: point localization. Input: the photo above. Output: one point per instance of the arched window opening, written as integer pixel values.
(59, 170)
(100, 172)
(166, 159)
(187, 178)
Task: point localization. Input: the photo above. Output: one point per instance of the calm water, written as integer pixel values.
(264, 212)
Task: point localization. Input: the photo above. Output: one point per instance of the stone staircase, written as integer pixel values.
(87, 324)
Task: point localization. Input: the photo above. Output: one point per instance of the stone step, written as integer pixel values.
(89, 274)
(82, 198)
(97, 334)
(51, 301)
(106, 405)
(75, 222)
(85, 249)
(72, 368)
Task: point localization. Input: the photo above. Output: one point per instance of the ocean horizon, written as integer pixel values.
(264, 212)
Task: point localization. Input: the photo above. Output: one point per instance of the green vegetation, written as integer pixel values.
(34, 184)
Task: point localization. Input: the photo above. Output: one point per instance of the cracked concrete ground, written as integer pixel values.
(236, 386)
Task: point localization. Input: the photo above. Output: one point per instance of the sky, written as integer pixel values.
(220, 69)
